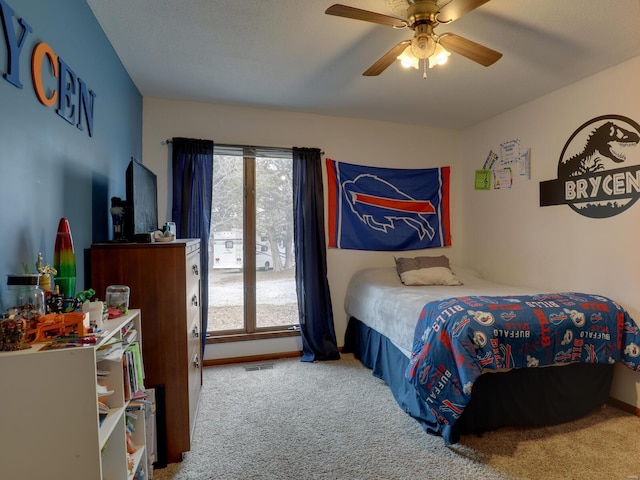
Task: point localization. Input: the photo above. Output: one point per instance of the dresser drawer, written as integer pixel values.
(195, 379)
(194, 333)
(193, 286)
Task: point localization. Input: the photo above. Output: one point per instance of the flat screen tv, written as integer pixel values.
(142, 200)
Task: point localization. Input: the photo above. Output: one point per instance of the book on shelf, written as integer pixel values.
(129, 332)
(103, 411)
(110, 350)
(70, 341)
(125, 376)
(132, 371)
(103, 408)
(102, 390)
(130, 336)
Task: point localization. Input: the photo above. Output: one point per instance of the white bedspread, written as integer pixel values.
(377, 297)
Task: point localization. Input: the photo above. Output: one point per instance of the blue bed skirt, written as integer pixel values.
(388, 363)
(535, 396)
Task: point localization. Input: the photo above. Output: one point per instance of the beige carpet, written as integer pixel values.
(333, 420)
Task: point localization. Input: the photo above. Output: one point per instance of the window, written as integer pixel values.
(251, 274)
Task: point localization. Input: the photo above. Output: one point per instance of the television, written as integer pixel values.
(142, 200)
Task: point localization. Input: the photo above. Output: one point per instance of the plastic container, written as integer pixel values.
(118, 297)
(24, 294)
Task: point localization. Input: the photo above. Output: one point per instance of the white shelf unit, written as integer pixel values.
(51, 428)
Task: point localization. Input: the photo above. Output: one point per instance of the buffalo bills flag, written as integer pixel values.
(372, 208)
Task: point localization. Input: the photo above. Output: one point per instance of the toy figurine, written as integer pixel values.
(118, 217)
(55, 302)
(45, 271)
(14, 333)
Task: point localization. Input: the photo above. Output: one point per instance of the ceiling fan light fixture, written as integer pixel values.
(439, 56)
(408, 59)
(423, 17)
(422, 46)
(431, 50)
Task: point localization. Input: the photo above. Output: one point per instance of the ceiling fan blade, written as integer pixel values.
(386, 60)
(365, 15)
(457, 8)
(472, 50)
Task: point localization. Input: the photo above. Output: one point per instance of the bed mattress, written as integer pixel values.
(378, 298)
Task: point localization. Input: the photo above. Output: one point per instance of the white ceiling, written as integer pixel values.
(289, 55)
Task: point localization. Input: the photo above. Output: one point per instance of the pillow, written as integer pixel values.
(426, 271)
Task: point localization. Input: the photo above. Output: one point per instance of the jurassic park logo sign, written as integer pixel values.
(598, 169)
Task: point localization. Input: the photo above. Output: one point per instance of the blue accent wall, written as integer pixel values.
(49, 168)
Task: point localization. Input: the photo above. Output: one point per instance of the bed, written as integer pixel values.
(499, 373)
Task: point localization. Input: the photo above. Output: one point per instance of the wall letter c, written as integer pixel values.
(41, 51)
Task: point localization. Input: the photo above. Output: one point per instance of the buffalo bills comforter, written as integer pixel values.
(457, 338)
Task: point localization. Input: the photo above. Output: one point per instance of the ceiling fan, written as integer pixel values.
(422, 16)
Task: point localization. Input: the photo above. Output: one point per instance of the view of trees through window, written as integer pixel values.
(251, 256)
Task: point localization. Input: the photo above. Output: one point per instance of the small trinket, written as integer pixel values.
(13, 333)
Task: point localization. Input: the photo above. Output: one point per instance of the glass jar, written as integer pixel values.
(24, 294)
(118, 297)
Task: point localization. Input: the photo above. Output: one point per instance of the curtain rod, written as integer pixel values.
(169, 141)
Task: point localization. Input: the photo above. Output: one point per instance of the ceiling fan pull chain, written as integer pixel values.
(424, 66)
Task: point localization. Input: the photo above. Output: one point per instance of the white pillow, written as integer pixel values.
(426, 271)
(430, 276)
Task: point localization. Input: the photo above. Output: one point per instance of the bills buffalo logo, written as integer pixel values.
(596, 317)
(483, 318)
(557, 318)
(489, 300)
(578, 318)
(598, 169)
(425, 375)
(381, 212)
(373, 208)
(447, 304)
(479, 340)
(632, 350)
(459, 326)
(577, 298)
(452, 408)
(485, 359)
(532, 362)
(507, 316)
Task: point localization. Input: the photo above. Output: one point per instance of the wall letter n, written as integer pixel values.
(13, 43)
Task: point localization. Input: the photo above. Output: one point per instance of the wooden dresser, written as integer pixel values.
(164, 279)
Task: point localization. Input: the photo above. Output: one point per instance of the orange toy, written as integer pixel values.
(58, 324)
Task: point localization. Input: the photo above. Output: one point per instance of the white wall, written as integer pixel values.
(508, 237)
(354, 141)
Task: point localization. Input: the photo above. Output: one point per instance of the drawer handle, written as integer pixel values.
(195, 332)
(196, 361)
(194, 301)
(194, 269)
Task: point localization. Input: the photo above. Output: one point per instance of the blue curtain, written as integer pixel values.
(314, 300)
(192, 165)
